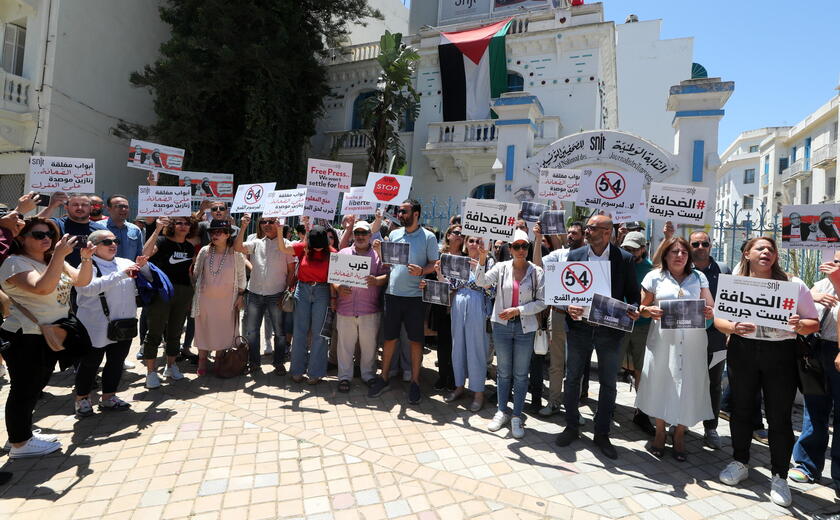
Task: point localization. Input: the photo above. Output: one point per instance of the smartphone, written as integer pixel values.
(42, 200)
(81, 241)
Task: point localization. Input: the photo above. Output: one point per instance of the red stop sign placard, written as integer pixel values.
(386, 188)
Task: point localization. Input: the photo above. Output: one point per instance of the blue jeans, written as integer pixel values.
(809, 451)
(311, 303)
(581, 339)
(513, 360)
(256, 307)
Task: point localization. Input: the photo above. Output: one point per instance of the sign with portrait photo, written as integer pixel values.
(531, 211)
(394, 253)
(610, 312)
(436, 292)
(763, 302)
(152, 156)
(455, 267)
(552, 222)
(682, 314)
(209, 186)
(811, 226)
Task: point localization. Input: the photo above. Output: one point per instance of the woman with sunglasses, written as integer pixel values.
(38, 279)
(113, 281)
(219, 276)
(453, 244)
(764, 358)
(519, 298)
(173, 254)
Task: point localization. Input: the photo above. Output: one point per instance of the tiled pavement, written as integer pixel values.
(268, 448)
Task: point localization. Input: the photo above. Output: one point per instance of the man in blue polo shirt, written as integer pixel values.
(404, 298)
(129, 235)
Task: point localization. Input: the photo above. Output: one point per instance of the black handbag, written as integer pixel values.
(812, 380)
(118, 330)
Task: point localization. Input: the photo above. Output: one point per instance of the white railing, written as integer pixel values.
(798, 166)
(347, 142)
(824, 154)
(16, 92)
(361, 52)
(480, 132)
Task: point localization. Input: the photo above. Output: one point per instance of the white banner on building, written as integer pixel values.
(354, 203)
(65, 174)
(285, 203)
(677, 203)
(760, 301)
(332, 175)
(452, 11)
(209, 186)
(387, 189)
(250, 198)
(610, 190)
(153, 156)
(489, 219)
(164, 201)
(811, 226)
(558, 184)
(575, 283)
(349, 270)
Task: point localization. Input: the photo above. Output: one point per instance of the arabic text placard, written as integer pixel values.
(575, 283)
(560, 184)
(677, 203)
(285, 203)
(65, 174)
(769, 303)
(320, 202)
(349, 270)
(489, 219)
(610, 190)
(164, 201)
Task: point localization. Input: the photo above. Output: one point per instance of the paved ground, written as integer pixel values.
(268, 448)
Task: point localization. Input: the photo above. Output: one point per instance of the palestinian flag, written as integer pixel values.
(473, 70)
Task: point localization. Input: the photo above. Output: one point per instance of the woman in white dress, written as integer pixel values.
(674, 387)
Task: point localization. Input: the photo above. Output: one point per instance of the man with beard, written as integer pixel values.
(404, 298)
(77, 221)
(96, 206)
(129, 235)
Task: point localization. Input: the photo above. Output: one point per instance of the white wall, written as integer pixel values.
(396, 21)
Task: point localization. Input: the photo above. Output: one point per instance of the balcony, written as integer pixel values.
(16, 93)
(795, 171)
(483, 133)
(824, 156)
(353, 53)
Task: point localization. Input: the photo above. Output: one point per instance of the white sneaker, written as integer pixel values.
(499, 420)
(34, 448)
(173, 372)
(734, 473)
(84, 408)
(152, 380)
(516, 428)
(128, 365)
(780, 492)
(49, 437)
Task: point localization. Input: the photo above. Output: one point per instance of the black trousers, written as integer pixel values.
(111, 374)
(715, 377)
(769, 366)
(30, 363)
(443, 323)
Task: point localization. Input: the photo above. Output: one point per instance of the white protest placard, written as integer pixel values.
(250, 198)
(491, 219)
(208, 186)
(164, 201)
(811, 226)
(575, 283)
(764, 302)
(638, 213)
(610, 190)
(285, 203)
(65, 174)
(152, 156)
(354, 203)
(387, 188)
(349, 270)
(332, 175)
(560, 184)
(677, 203)
(320, 202)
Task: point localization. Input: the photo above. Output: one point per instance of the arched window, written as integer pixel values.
(515, 82)
(356, 123)
(484, 191)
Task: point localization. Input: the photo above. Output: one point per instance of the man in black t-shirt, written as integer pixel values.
(77, 221)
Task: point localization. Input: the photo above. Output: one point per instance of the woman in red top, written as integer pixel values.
(312, 299)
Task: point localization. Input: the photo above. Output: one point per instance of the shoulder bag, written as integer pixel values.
(812, 380)
(53, 334)
(541, 337)
(118, 330)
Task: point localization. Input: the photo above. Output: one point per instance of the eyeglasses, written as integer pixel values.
(401, 211)
(700, 244)
(40, 235)
(120, 206)
(519, 247)
(265, 222)
(218, 208)
(591, 228)
(109, 242)
(181, 223)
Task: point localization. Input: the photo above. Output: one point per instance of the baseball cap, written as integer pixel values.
(361, 224)
(635, 225)
(519, 236)
(634, 239)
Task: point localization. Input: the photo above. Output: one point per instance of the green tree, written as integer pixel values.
(240, 84)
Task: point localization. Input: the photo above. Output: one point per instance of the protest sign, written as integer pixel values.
(436, 292)
(455, 267)
(385, 188)
(208, 186)
(575, 283)
(354, 203)
(682, 314)
(64, 174)
(285, 203)
(610, 190)
(552, 222)
(332, 175)
(163, 201)
(639, 213)
(349, 270)
(610, 312)
(489, 219)
(250, 198)
(558, 184)
(531, 211)
(320, 202)
(811, 226)
(677, 203)
(764, 302)
(395, 253)
(152, 156)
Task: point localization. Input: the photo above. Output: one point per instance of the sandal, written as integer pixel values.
(344, 386)
(679, 456)
(655, 451)
(313, 381)
(297, 379)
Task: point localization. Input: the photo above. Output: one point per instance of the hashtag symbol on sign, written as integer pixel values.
(787, 304)
(511, 221)
(701, 204)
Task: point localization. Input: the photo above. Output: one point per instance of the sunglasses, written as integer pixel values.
(219, 231)
(218, 208)
(402, 211)
(265, 222)
(181, 223)
(361, 233)
(700, 244)
(519, 247)
(109, 242)
(40, 235)
(455, 233)
(592, 228)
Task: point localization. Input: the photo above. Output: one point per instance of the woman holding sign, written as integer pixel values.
(674, 386)
(764, 358)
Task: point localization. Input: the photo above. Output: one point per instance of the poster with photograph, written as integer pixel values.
(768, 303)
(455, 267)
(387, 189)
(320, 202)
(285, 203)
(436, 292)
(610, 190)
(682, 314)
(575, 283)
(394, 253)
(208, 186)
(164, 201)
(64, 174)
(349, 270)
(332, 175)
(678, 203)
(251, 198)
(354, 203)
(553, 222)
(531, 212)
(811, 226)
(490, 219)
(152, 156)
(329, 325)
(610, 312)
(558, 184)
